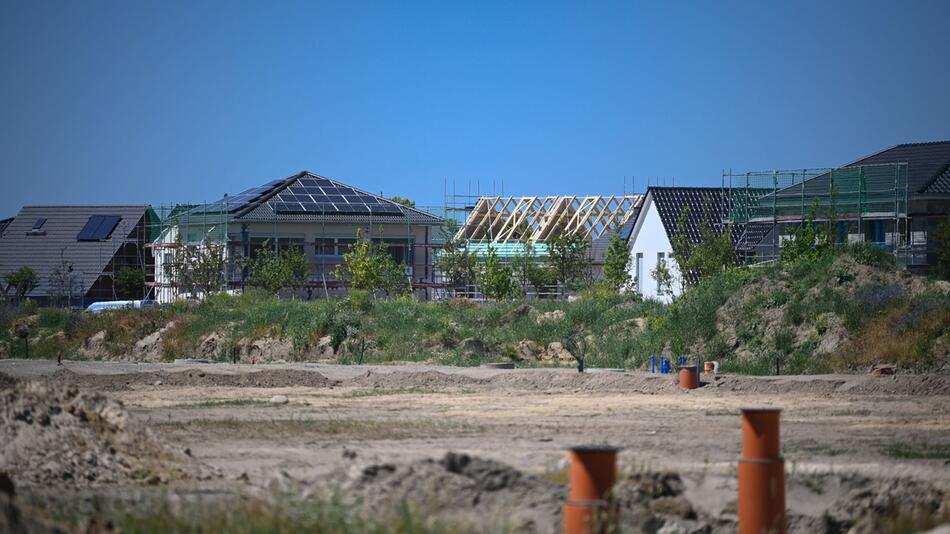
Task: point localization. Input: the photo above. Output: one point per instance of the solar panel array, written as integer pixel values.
(242, 199)
(98, 228)
(316, 195)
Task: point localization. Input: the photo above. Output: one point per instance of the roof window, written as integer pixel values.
(98, 228)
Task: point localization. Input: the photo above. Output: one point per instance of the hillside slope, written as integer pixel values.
(841, 313)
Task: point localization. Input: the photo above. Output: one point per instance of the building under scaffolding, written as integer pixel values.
(78, 252)
(313, 214)
(862, 203)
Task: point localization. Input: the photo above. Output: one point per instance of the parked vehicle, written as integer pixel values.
(99, 307)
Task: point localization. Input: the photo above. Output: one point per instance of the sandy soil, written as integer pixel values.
(834, 428)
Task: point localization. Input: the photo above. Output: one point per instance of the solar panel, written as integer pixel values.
(98, 228)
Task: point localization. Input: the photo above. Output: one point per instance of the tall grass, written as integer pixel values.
(884, 323)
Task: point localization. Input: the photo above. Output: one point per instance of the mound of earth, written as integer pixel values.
(7, 381)
(488, 495)
(267, 378)
(466, 489)
(53, 435)
(433, 379)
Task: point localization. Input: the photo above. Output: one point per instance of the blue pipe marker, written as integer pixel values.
(653, 363)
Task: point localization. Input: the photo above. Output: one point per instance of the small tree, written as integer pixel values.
(495, 280)
(541, 278)
(273, 271)
(568, 257)
(664, 279)
(370, 266)
(941, 239)
(20, 283)
(63, 282)
(714, 253)
(808, 241)
(403, 201)
(617, 264)
(455, 261)
(130, 282)
(523, 264)
(198, 268)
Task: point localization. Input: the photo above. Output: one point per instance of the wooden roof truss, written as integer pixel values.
(538, 219)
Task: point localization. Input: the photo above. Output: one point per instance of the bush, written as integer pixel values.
(870, 254)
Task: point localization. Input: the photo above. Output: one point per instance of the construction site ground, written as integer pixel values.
(833, 427)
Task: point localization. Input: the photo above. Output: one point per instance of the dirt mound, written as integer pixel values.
(918, 385)
(626, 382)
(490, 495)
(267, 378)
(431, 379)
(862, 505)
(464, 488)
(56, 435)
(7, 381)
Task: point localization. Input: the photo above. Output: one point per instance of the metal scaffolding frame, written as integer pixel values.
(866, 202)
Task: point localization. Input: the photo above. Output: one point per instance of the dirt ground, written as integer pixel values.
(844, 437)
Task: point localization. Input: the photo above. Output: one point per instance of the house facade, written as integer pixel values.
(669, 212)
(315, 215)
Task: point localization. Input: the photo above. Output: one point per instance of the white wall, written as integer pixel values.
(649, 238)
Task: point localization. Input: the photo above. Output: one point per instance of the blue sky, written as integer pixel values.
(129, 102)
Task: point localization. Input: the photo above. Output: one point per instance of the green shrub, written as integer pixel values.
(870, 254)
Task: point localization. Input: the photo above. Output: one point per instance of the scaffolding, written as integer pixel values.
(865, 203)
(322, 241)
(519, 226)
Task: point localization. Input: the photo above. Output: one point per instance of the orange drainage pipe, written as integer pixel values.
(689, 379)
(761, 474)
(589, 509)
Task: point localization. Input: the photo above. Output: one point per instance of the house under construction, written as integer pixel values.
(506, 224)
(316, 215)
(894, 198)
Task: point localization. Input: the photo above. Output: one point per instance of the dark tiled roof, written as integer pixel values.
(704, 203)
(43, 250)
(925, 162)
(940, 184)
(261, 208)
(3, 224)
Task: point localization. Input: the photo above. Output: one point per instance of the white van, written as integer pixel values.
(99, 307)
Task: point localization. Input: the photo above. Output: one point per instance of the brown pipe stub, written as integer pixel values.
(760, 434)
(761, 496)
(689, 379)
(588, 517)
(593, 474)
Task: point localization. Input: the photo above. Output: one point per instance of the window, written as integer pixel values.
(39, 223)
(325, 246)
(98, 228)
(343, 245)
(660, 260)
(640, 272)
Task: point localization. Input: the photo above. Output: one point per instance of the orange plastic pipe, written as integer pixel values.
(760, 434)
(688, 378)
(593, 475)
(761, 497)
(761, 474)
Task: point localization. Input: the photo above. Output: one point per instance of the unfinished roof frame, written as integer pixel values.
(537, 219)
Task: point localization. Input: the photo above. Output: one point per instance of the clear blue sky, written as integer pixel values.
(127, 102)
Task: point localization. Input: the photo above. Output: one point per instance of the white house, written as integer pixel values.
(656, 225)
